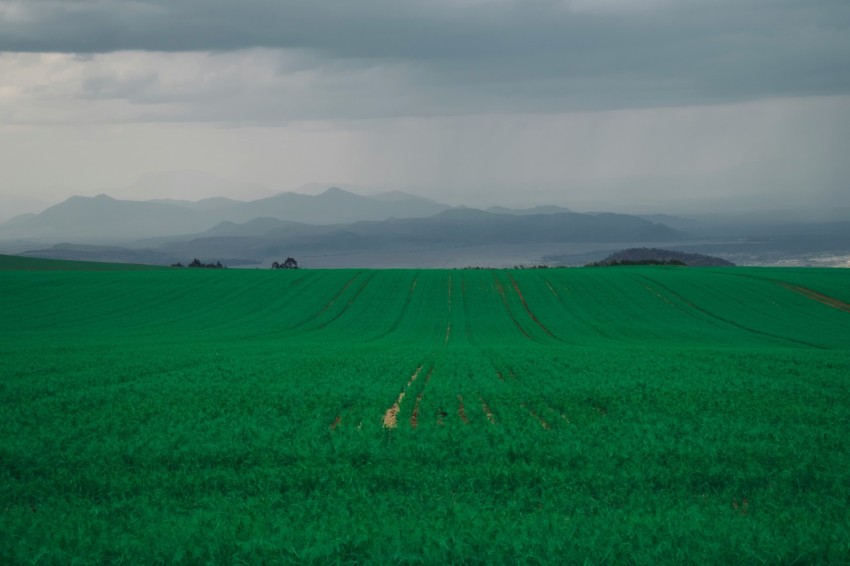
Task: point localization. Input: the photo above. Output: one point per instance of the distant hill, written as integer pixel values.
(10, 262)
(262, 226)
(103, 219)
(477, 227)
(20, 219)
(543, 209)
(17, 205)
(335, 206)
(108, 254)
(656, 255)
(203, 205)
(396, 196)
(676, 222)
(264, 238)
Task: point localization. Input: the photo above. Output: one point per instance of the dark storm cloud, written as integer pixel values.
(535, 55)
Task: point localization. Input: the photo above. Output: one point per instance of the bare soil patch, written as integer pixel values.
(819, 297)
(487, 412)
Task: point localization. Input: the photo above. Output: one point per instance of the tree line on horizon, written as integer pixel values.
(288, 263)
(198, 263)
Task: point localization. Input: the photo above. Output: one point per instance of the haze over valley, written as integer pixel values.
(719, 125)
(335, 227)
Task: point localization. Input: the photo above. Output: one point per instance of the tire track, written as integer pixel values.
(487, 411)
(815, 296)
(330, 303)
(350, 301)
(414, 416)
(732, 322)
(659, 295)
(582, 319)
(528, 309)
(554, 292)
(390, 418)
(805, 291)
(449, 316)
(461, 410)
(500, 288)
(394, 326)
(540, 419)
(466, 316)
(336, 423)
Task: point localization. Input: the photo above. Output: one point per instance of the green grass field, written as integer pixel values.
(618, 415)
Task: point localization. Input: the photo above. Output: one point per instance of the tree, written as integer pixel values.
(290, 263)
(275, 265)
(198, 263)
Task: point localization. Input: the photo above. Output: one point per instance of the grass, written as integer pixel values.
(14, 262)
(637, 415)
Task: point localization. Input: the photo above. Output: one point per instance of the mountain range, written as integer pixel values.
(106, 219)
(340, 228)
(333, 223)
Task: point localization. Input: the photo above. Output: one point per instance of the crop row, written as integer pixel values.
(612, 415)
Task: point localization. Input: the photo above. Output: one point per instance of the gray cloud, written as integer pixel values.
(487, 56)
(587, 103)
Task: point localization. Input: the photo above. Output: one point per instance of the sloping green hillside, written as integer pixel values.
(14, 262)
(619, 415)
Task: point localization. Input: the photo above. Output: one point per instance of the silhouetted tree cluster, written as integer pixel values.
(536, 266)
(197, 263)
(289, 263)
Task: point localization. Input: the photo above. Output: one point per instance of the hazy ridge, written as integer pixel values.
(395, 229)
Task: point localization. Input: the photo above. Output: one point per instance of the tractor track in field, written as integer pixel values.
(299, 280)
(815, 296)
(551, 288)
(805, 291)
(390, 418)
(449, 316)
(394, 326)
(350, 301)
(336, 423)
(500, 288)
(731, 322)
(341, 414)
(487, 411)
(527, 308)
(659, 295)
(554, 290)
(596, 328)
(534, 414)
(461, 410)
(466, 317)
(329, 304)
(414, 416)
(503, 373)
(338, 294)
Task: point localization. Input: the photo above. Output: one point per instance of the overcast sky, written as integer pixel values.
(615, 104)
